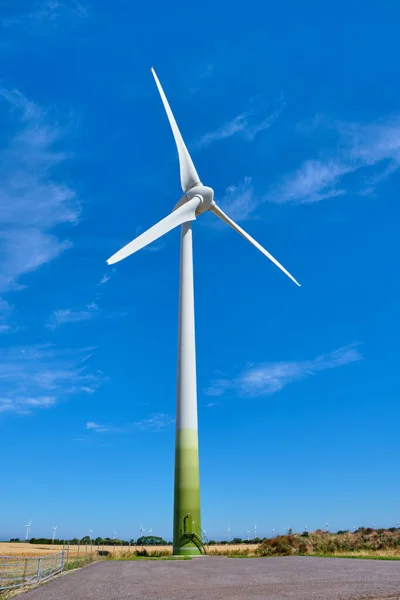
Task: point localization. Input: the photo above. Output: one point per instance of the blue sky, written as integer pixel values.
(291, 115)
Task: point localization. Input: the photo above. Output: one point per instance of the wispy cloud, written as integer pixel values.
(43, 11)
(268, 378)
(240, 200)
(370, 149)
(106, 277)
(211, 404)
(39, 376)
(6, 311)
(32, 202)
(92, 425)
(248, 124)
(67, 315)
(155, 422)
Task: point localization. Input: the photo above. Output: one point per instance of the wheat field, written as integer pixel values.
(32, 550)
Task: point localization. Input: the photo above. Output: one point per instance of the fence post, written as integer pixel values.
(25, 568)
(68, 553)
(91, 550)
(86, 552)
(39, 569)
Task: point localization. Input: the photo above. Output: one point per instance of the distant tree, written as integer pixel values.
(150, 540)
(237, 541)
(85, 539)
(305, 534)
(98, 541)
(132, 542)
(212, 543)
(74, 541)
(342, 531)
(15, 540)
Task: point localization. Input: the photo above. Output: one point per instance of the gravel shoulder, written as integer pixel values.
(219, 578)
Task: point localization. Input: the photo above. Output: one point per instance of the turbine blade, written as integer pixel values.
(186, 212)
(220, 213)
(189, 176)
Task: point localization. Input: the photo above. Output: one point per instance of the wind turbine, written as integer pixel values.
(248, 534)
(327, 526)
(196, 200)
(27, 530)
(142, 531)
(54, 531)
(229, 533)
(150, 530)
(90, 531)
(114, 534)
(305, 527)
(273, 533)
(255, 530)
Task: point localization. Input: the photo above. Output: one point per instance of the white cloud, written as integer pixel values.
(44, 11)
(5, 315)
(268, 378)
(249, 124)
(32, 201)
(373, 148)
(66, 315)
(239, 201)
(155, 422)
(102, 428)
(106, 277)
(38, 376)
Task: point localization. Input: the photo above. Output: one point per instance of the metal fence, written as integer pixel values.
(18, 571)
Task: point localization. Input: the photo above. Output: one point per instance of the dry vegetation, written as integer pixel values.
(365, 542)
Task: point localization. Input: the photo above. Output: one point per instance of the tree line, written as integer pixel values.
(145, 540)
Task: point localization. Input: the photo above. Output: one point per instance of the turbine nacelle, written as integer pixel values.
(204, 193)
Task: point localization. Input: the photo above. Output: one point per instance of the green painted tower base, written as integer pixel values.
(187, 539)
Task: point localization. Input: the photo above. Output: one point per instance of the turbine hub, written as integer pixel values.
(206, 194)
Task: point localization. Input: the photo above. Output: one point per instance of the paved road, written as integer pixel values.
(219, 578)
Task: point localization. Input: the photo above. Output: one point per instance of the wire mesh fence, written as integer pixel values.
(19, 571)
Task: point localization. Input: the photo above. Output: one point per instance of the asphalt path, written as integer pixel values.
(219, 578)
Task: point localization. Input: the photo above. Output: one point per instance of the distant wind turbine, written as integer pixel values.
(114, 533)
(54, 532)
(229, 533)
(27, 529)
(255, 530)
(196, 200)
(90, 531)
(327, 526)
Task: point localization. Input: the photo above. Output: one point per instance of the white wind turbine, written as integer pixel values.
(196, 200)
(142, 531)
(114, 534)
(150, 531)
(90, 531)
(255, 530)
(28, 526)
(229, 533)
(54, 531)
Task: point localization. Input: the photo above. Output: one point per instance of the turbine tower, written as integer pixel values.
(90, 531)
(229, 534)
(196, 199)
(54, 531)
(27, 530)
